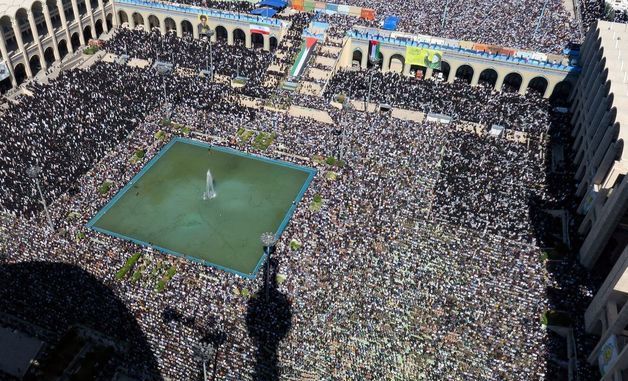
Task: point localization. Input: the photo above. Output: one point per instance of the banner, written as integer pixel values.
(374, 55)
(203, 27)
(253, 28)
(4, 71)
(424, 57)
(608, 354)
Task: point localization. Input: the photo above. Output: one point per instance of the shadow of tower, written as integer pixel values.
(268, 322)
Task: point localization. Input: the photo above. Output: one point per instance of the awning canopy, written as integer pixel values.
(277, 4)
(266, 12)
(390, 23)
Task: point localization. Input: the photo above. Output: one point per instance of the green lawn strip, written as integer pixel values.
(104, 188)
(128, 265)
(161, 284)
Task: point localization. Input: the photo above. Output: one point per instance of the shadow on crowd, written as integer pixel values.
(79, 317)
(550, 216)
(268, 319)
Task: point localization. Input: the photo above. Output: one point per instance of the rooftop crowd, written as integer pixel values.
(423, 260)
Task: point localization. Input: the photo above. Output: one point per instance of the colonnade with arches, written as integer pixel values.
(231, 31)
(35, 35)
(500, 75)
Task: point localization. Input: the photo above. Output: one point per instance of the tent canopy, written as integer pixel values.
(266, 12)
(390, 23)
(277, 4)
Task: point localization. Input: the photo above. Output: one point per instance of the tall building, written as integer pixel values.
(599, 105)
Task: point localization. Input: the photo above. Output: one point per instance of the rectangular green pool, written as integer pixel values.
(163, 207)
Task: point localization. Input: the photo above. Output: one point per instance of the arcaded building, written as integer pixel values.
(600, 120)
(34, 34)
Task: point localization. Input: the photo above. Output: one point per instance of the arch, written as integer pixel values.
(221, 33)
(170, 25)
(123, 17)
(40, 21)
(63, 48)
(5, 85)
(75, 41)
(239, 37)
(560, 94)
(418, 71)
(186, 27)
(21, 17)
(35, 64)
(488, 77)
(257, 40)
(445, 69)
(512, 82)
(109, 21)
(55, 18)
(137, 19)
(465, 73)
(397, 63)
(98, 27)
(538, 85)
(9, 39)
(153, 22)
(68, 11)
(273, 43)
(356, 58)
(49, 56)
(20, 73)
(87, 33)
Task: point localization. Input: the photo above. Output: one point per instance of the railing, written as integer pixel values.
(458, 49)
(203, 11)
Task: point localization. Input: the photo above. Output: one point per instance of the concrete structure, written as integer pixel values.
(229, 26)
(463, 63)
(34, 34)
(599, 105)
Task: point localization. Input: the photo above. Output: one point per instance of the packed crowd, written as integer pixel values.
(389, 267)
(592, 10)
(479, 104)
(423, 261)
(508, 23)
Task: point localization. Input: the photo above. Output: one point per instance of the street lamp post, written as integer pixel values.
(33, 172)
(203, 353)
(375, 62)
(268, 240)
(210, 33)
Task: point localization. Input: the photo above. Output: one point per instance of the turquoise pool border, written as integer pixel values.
(311, 171)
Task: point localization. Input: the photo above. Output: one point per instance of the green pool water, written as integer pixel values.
(163, 206)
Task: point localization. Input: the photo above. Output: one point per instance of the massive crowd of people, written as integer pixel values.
(423, 262)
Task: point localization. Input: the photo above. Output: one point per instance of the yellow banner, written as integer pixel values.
(423, 57)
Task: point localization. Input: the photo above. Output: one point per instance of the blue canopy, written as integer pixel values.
(266, 12)
(277, 4)
(390, 23)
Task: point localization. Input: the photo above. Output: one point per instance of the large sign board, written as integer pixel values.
(429, 58)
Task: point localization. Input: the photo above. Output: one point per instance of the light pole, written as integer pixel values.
(203, 352)
(210, 33)
(375, 62)
(33, 172)
(268, 240)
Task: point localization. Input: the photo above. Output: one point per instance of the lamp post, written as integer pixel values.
(375, 62)
(268, 240)
(33, 172)
(203, 353)
(210, 33)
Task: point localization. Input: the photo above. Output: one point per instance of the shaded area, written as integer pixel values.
(268, 321)
(58, 296)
